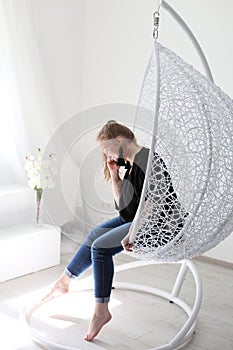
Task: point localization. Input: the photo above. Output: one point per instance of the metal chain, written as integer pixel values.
(156, 17)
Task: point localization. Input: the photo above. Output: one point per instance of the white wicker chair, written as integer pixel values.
(187, 120)
(193, 133)
(184, 118)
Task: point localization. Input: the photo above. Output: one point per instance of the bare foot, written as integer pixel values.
(61, 286)
(96, 323)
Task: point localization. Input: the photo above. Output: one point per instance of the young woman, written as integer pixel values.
(119, 147)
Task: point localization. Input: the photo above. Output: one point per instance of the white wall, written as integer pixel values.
(95, 51)
(118, 43)
(59, 31)
(58, 26)
(117, 46)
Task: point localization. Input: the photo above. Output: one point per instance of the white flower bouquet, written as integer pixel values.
(40, 172)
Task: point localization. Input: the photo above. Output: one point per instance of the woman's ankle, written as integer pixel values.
(101, 309)
(64, 278)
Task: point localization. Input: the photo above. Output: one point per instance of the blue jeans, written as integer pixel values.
(102, 243)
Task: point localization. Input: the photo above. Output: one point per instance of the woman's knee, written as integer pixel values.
(95, 234)
(96, 245)
(91, 237)
(99, 248)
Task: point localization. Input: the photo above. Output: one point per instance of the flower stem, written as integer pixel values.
(39, 192)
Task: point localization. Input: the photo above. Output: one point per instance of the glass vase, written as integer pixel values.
(39, 207)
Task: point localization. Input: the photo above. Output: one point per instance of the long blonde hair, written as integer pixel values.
(110, 131)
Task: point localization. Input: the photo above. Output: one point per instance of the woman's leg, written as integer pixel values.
(82, 259)
(103, 250)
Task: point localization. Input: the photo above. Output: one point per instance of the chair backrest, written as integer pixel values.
(187, 205)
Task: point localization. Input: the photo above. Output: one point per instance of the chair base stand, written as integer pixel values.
(187, 331)
(182, 337)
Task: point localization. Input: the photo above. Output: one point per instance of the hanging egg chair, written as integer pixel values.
(186, 204)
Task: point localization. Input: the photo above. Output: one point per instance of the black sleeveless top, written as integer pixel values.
(132, 186)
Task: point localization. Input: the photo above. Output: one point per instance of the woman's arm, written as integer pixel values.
(127, 242)
(115, 179)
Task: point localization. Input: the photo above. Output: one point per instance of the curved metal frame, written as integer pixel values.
(186, 332)
(191, 36)
(184, 335)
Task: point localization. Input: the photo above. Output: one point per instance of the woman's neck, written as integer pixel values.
(131, 151)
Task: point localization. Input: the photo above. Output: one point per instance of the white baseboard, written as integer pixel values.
(214, 261)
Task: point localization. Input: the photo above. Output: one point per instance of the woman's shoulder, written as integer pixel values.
(141, 158)
(144, 151)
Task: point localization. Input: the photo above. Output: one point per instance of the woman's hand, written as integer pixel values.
(126, 244)
(112, 165)
(115, 179)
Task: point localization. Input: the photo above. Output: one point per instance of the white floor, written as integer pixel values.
(140, 321)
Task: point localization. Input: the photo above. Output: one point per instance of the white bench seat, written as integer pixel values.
(26, 248)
